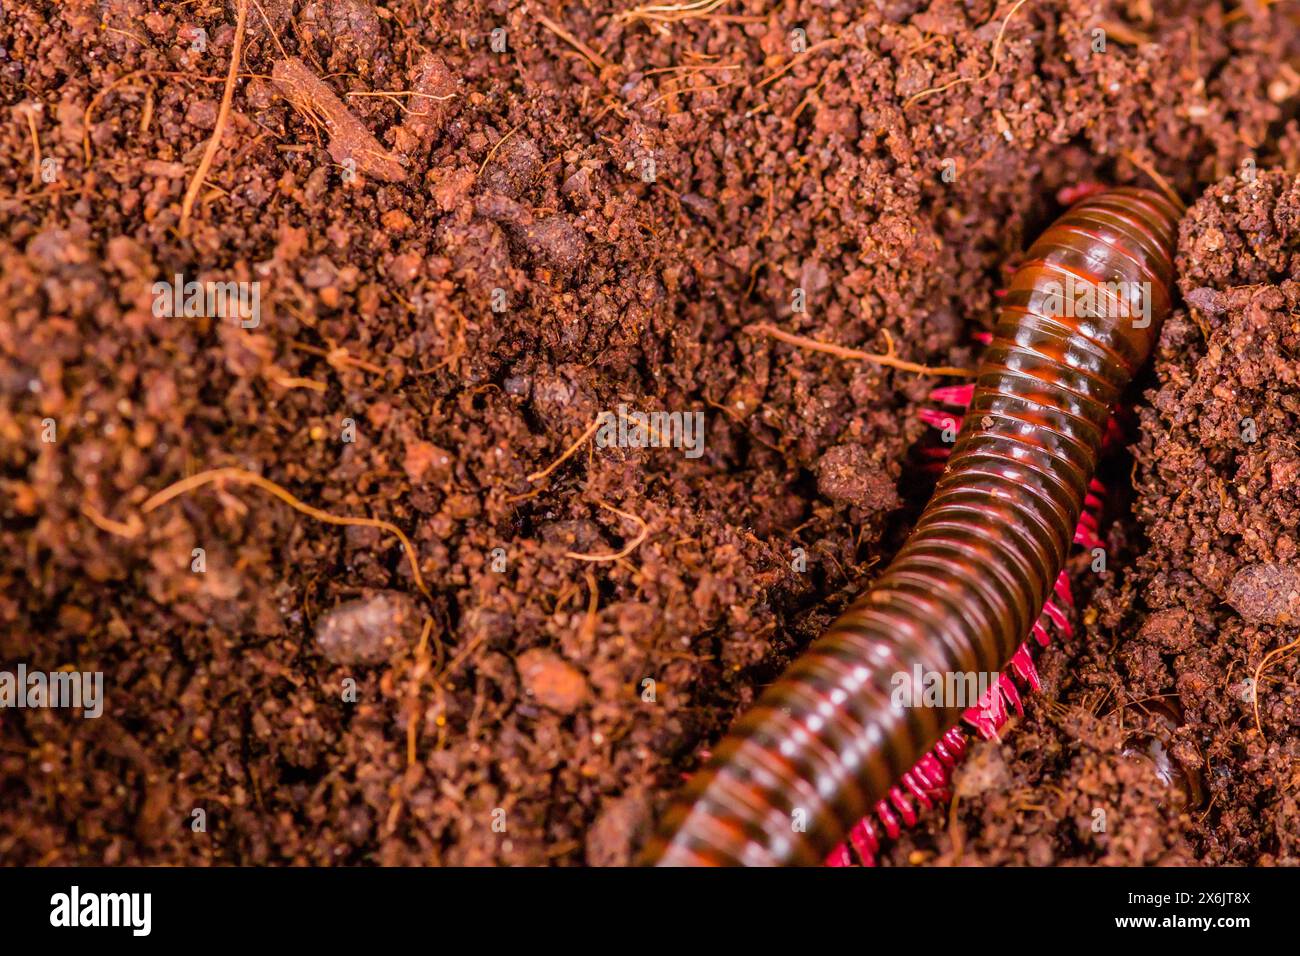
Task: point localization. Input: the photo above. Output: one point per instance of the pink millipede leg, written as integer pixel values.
(1069, 195)
(946, 753)
(1114, 436)
(988, 716)
(955, 741)
(840, 856)
(941, 420)
(1059, 619)
(982, 723)
(1085, 538)
(1022, 664)
(914, 786)
(1011, 694)
(1063, 590)
(887, 819)
(904, 807)
(931, 772)
(960, 395)
(864, 841)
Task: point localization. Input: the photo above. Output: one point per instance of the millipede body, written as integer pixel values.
(825, 743)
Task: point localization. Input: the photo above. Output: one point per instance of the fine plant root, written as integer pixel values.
(338, 358)
(123, 529)
(493, 151)
(627, 548)
(993, 66)
(422, 664)
(126, 78)
(396, 95)
(244, 477)
(270, 29)
(686, 91)
(568, 453)
(670, 12)
(30, 115)
(888, 359)
(1156, 178)
(1123, 33)
(790, 63)
(1277, 653)
(571, 450)
(98, 98)
(592, 57)
(223, 114)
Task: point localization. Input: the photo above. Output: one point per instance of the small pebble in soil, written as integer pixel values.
(551, 680)
(846, 475)
(370, 630)
(1171, 629)
(1266, 593)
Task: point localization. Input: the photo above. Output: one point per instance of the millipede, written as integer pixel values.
(825, 754)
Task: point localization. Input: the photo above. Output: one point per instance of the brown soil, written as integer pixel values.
(461, 273)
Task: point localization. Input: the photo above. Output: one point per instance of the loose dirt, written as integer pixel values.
(475, 227)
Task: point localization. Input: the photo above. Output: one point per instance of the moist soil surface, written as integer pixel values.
(475, 227)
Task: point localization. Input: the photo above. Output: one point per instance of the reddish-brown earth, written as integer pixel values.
(380, 227)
